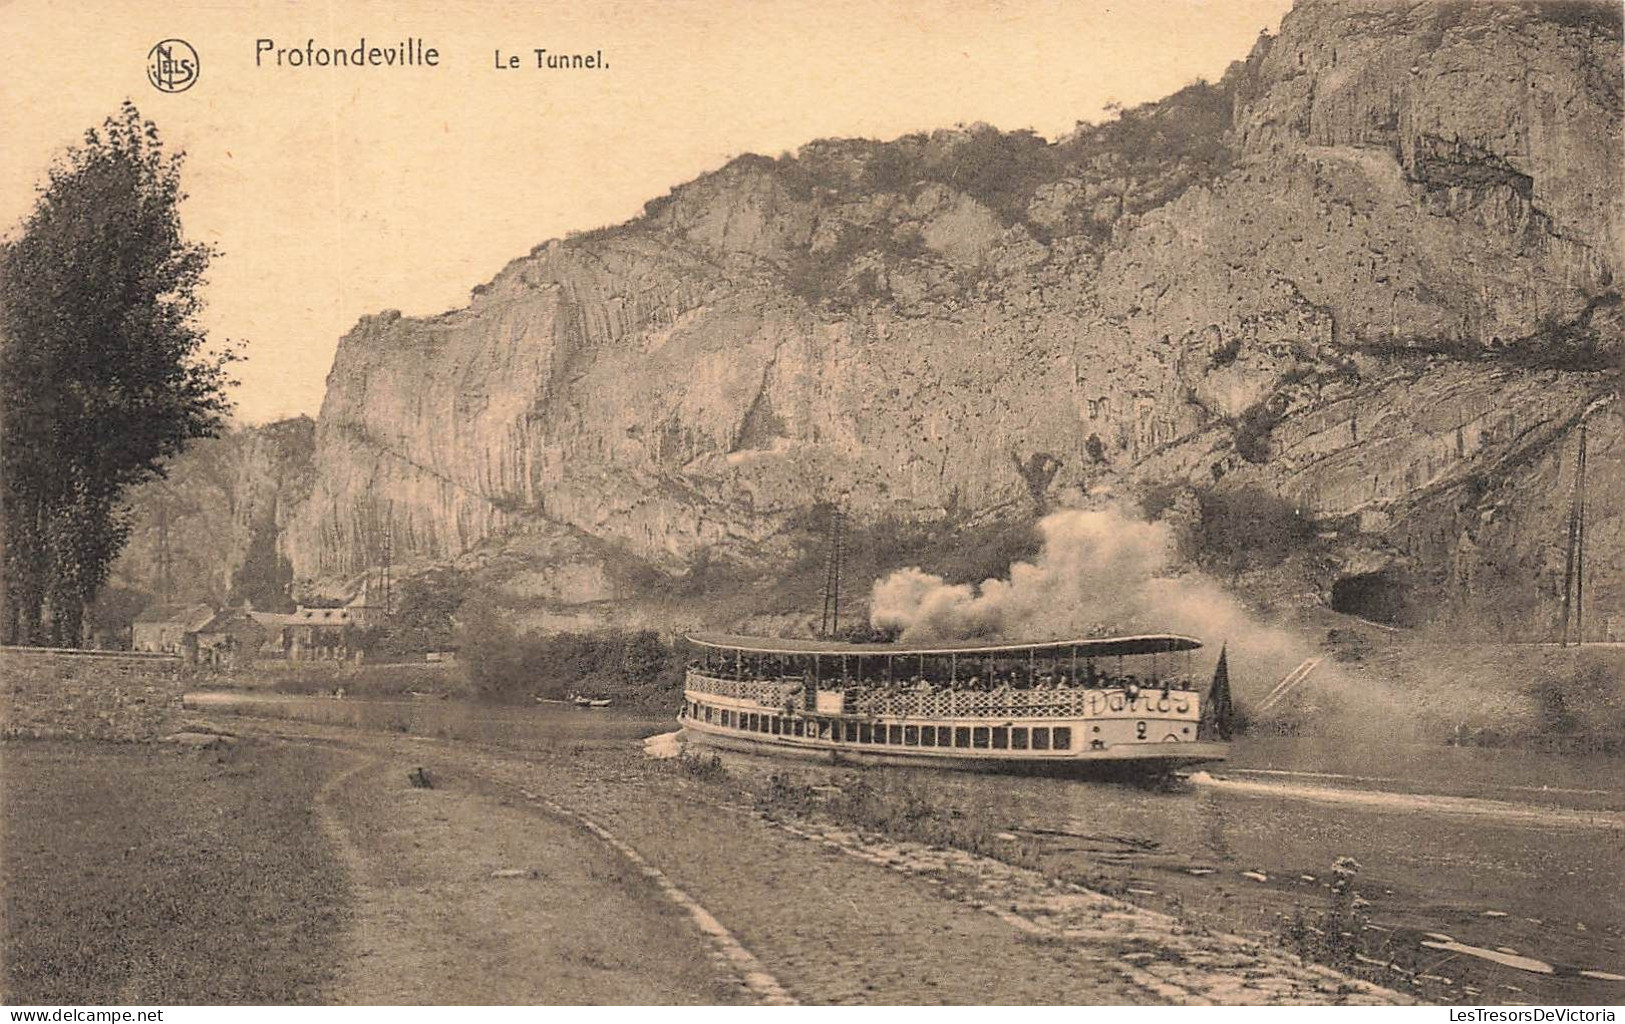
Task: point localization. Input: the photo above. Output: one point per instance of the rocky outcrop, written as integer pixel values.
(219, 515)
(1343, 273)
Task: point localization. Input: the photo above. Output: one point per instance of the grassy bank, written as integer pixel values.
(1565, 700)
(142, 874)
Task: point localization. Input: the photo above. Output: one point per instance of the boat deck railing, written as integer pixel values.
(998, 703)
(892, 702)
(766, 692)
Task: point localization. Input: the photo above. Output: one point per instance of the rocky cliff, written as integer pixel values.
(1373, 270)
(208, 532)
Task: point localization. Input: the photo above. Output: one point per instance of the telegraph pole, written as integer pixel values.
(1574, 566)
(166, 576)
(388, 558)
(832, 575)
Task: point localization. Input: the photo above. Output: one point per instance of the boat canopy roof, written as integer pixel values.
(1150, 643)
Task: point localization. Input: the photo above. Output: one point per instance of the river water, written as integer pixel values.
(1496, 874)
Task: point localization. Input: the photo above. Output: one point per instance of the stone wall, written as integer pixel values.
(104, 695)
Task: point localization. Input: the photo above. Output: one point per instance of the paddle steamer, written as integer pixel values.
(1127, 702)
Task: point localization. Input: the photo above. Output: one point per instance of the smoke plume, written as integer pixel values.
(1099, 573)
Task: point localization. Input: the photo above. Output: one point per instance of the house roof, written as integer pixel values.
(272, 618)
(322, 616)
(305, 617)
(225, 617)
(189, 615)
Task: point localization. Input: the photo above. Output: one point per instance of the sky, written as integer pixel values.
(336, 192)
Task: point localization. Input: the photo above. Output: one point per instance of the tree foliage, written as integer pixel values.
(105, 372)
(1247, 528)
(630, 666)
(426, 618)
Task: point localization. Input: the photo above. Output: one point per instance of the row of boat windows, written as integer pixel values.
(977, 737)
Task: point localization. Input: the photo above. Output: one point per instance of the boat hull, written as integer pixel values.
(1125, 759)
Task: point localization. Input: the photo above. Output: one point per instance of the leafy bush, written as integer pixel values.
(1337, 935)
(986, 551)
(1585, 342)
(424, 619)
(1161, 496)
(708, 573)
(635, 667)
(1252, 431)
(1551, 698)
(1227, 352)
(1585, 696)
(1246, 528)
(1096, 448)
(1575, 344)
(701, 768)
(325, 677)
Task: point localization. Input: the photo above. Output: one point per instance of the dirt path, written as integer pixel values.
(823, 916)
(467, 896)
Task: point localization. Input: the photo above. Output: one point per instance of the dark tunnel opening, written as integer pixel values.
(1385, 597)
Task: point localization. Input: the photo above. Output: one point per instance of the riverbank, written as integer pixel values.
(1270, 864)
(1492, 848)
(910, 924)
(552, 862)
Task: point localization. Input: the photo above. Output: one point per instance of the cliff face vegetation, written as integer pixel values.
(1373, 270)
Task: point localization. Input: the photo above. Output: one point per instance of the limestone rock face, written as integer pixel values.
(1352, 272)
(223, 507)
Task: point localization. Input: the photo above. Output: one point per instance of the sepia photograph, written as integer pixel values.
(781, 503)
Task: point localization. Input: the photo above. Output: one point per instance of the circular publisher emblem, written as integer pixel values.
(172, 66)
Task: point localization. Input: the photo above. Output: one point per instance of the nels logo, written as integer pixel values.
(172, 66)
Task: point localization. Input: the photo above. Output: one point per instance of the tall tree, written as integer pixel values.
(104, 370)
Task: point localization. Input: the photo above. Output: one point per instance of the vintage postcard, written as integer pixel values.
(781, 502)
